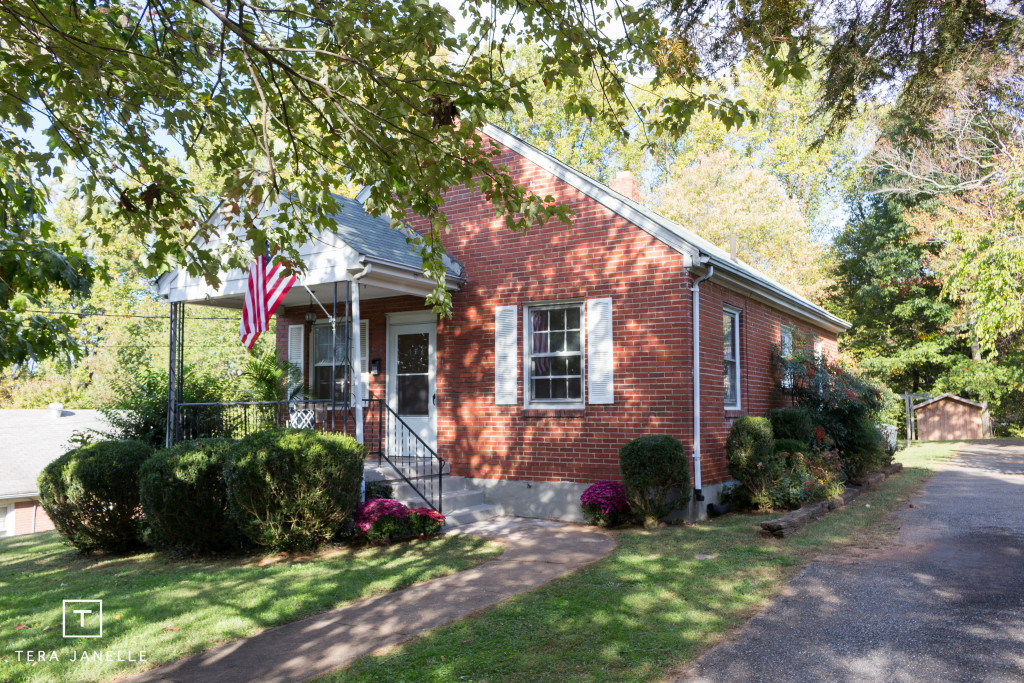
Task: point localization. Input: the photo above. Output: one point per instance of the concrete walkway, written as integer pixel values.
(945, 603)
(535, 552)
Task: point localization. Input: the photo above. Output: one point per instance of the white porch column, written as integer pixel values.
(357, 352)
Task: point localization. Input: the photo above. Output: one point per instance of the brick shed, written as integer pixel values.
(948, 417)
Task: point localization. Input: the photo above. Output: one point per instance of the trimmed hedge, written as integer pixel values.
(91, 494)
(293, 489)
(750, 451)
(184, 497)
(653, 468)
(792, 423)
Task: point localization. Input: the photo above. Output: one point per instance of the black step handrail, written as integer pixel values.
(416, 471)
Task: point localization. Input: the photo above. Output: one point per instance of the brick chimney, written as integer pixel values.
(626, 184)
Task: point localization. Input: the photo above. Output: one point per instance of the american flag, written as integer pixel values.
(263, 295)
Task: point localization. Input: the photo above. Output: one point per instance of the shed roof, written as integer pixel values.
(32, 439)
(952, 397)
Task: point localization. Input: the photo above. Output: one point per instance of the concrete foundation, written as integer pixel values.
(560, 500)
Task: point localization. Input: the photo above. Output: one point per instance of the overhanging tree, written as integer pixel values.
(274, 98)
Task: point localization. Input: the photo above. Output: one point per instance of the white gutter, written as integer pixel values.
(698, 496)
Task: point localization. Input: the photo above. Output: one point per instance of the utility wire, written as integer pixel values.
(122, 315)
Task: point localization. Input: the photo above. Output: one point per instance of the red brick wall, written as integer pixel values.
(760, 330)
(23, 518)
(600, 255)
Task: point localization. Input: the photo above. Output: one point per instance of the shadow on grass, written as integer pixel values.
(645, 610)
(206, 601)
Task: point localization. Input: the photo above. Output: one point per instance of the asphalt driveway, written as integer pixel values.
(945, 603)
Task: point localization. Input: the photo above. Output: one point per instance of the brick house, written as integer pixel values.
(565, 342)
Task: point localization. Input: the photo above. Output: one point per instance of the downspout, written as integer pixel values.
(695, 293)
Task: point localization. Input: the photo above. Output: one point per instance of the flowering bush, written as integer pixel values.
(605, 504)
(382, 520)
(844, 406)
(425, 522)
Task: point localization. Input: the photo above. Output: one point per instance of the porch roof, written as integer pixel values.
(359, 239)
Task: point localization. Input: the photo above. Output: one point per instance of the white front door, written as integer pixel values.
(412, 384)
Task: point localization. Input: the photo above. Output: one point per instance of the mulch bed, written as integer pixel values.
(789, 523)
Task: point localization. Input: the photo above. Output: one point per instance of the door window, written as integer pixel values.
(412, 376)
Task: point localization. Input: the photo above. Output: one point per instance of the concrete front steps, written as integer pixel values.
(459, 503)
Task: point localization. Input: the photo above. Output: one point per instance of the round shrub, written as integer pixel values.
(293, 489)
(425, 522)
(383, 520)
(184, 497)
(656, 476)
(792, 423)
(750, 451)
(605, 504)
(92, 495)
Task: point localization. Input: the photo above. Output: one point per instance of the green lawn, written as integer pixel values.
(172, 607)
(648, 608)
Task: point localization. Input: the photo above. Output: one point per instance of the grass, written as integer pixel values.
(172, 607)
(651, 606)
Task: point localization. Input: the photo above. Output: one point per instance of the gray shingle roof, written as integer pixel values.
(374, 237)
(31, 439)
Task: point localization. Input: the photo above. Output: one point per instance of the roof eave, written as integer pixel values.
(727, 273)
(18, 496)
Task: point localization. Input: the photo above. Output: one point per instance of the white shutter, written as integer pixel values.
(295, 337)
(364, 355)
(506, 374)
(600, 356)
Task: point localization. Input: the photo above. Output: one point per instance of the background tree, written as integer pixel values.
(719, 197)
(903, 333)
(895, 51)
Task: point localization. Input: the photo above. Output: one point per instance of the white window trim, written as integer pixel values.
(556, 403)
(736, 314)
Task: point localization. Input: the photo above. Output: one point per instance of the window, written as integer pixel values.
(323, 360)
(554, 342)
(731, 348)
(786, 351)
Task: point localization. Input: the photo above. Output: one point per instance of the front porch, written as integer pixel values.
(355, 328)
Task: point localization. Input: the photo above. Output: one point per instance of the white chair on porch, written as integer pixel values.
(301, 419)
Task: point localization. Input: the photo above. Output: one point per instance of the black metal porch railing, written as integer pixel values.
(388, 437)
(241, 418)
